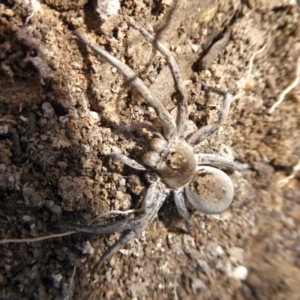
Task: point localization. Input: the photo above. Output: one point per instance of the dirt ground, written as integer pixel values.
(63, 110)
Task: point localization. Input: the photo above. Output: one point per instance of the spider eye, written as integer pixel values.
(211, 191)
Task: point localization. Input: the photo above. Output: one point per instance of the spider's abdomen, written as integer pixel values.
(174, 161)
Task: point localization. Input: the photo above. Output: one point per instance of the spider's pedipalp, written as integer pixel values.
(211, 191)
(219, 162)
(152, 157)
(128, 161)
(132, 79)
(179, 201)
(182, 105)
(157, 144)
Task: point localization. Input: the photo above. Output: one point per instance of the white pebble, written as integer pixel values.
(26, 218)
(57, 278)
(195, 47)
(94, 115)
(48, 110)
(107, 8)
(219, 250)
(88, 248)
(239, 273)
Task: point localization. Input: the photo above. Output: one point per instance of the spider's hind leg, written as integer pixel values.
(179, 201)
(204, 132)
(125, 238)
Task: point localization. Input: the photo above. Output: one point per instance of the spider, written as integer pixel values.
(195, 177)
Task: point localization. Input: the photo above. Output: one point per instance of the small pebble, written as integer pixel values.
(56, 209)
(107, 8)
(239, 273)
(195, 47)
(94, 115)
(49, 203)
(57, 278)
(88, 248)
(48, 111)
(26, 218)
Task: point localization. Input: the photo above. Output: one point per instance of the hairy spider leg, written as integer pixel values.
(182, 113)
(132, 79)
(180, 204)
(155, 196)
(219, 162)
(204, 132)
(153, 200)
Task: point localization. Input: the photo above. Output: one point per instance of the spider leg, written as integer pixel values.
(219, 162)
(128, 161)
(130, 227)
(204, 132)
(154, 198)
(180, 204)
(182, 105)
(114, 212)
(125, 238)
(131, 78)
(104, 229)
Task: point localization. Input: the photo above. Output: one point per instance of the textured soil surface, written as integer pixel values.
(63, 110)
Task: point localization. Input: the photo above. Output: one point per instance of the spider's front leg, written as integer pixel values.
(132, 79)
(182, 113)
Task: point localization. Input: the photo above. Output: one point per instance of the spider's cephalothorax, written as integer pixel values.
(174, 161)
(190, 176)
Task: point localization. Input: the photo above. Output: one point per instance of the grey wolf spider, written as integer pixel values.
(195, 177)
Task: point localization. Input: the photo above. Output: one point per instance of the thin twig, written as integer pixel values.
(70, 285)
(288, 89)
(249, 74)
(262, 49)
(286, 180)
(38, 239)
(4, 120)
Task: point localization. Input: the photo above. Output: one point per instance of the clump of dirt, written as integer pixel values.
(63, 110)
